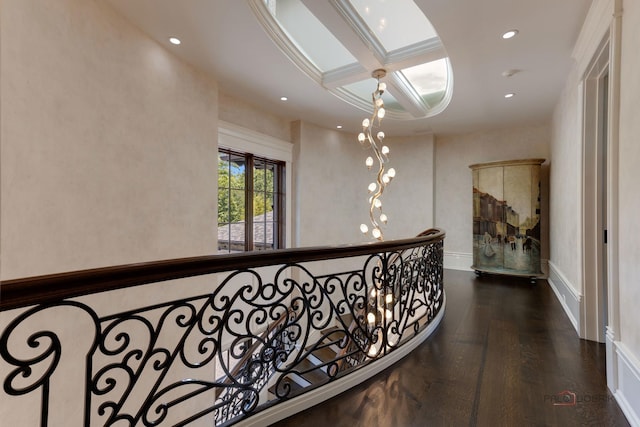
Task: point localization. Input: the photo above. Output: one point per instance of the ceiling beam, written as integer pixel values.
(340, 21)
(406, 95)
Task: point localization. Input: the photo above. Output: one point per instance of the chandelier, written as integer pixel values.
(380, 153)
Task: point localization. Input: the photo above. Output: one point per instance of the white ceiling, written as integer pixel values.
(224, 38)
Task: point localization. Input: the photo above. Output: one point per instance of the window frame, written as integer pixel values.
(241, 140)
(279, 197)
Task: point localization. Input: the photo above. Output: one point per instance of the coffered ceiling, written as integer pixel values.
(229, 40)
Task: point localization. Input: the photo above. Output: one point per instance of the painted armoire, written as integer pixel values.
(506, 217)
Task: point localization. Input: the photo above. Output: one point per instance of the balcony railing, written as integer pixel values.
(242, 338)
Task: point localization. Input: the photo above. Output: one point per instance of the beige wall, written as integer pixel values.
(623, 333)
(567, 172)
(328, 187)
(454, 154)
(565, 188)
(629, 178)
(108, 143)
(409, 200)
(108, 156)
(241, 113)
(331, 182)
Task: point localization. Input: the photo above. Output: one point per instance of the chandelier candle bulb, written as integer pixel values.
(369, 162)
(376, 233)
(381, 151)
(373, 350)
(371, 318)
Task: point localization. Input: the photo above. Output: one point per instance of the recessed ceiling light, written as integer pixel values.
(509, 95)
(509, 73)
(174, 40)
(283, 98)
(509, 34)
(339, 127)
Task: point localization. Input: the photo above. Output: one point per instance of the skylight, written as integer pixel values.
(310, 36)
(396, 23)
(429, 79)
(362, 89)
(338, 43)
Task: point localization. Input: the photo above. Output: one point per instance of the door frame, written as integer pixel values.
(594, 193)
(600, 306)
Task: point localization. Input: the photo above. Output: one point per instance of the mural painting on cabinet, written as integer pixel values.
(506, 217)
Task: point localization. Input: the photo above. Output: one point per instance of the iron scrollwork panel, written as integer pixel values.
(256, 340)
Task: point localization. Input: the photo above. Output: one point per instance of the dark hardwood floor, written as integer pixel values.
(504, 353)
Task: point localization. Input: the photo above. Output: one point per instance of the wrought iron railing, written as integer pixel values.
(274, 326)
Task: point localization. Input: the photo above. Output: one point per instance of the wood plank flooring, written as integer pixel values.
(504, 353)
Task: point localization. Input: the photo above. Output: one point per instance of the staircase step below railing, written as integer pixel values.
(312, 372)
(323, 355)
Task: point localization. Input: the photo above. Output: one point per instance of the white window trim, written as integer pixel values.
(238, 138)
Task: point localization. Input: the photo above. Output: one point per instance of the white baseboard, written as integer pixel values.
(566, 293)
(623, 378)
(458, 261)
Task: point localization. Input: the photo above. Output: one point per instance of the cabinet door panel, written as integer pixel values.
(522, 220)
(506, 217)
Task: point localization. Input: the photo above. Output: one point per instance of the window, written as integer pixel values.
(394, 35)
(250, 202)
